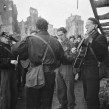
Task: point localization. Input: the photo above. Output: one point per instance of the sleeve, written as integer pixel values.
(100, 47)
(21, 49)
(63, 57)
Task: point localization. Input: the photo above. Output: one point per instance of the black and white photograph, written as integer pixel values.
(54, 54)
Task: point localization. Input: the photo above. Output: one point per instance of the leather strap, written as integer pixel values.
(93, 53)
(46, 43)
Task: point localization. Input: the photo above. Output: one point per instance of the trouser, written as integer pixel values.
(90, 76)
(24, 71)
(8, 89)
(19, 75)
(65, 86)
(41, 98)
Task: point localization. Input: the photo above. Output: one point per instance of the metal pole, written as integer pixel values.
(77, 4)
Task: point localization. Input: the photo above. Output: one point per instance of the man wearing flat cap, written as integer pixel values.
(97, 47)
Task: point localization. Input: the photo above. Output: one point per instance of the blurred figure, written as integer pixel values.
(72, 40)
(8, 80)
(78, 40)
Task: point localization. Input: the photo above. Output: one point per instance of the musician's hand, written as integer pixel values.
(73, 50)
(90, 40)
(14, 62)
(76, 76)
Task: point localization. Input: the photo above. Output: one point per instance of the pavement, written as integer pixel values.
(80, 102)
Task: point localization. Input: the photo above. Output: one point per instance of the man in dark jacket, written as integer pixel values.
(33, 48)
(97, 50)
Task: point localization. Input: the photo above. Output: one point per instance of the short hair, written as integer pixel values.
(94, 20)
(62, 29)
(42, 24)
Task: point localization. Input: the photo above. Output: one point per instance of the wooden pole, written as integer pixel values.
(95, 14)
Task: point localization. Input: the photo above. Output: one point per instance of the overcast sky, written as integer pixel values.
(54, 11)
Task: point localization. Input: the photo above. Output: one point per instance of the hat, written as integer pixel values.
(4, 34)
(8, 36)
(95, 21)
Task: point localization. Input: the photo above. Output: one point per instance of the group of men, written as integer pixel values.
(60, 56)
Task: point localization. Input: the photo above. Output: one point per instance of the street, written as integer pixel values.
(80, 103)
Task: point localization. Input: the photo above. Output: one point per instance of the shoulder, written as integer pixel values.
(34, 39)
(101, 38)
(54, 40)
(55, 44)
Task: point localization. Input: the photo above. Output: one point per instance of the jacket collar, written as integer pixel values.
(43, 33)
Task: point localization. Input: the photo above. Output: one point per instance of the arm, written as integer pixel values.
(64, 57)
(100, 47)
(21, 49)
